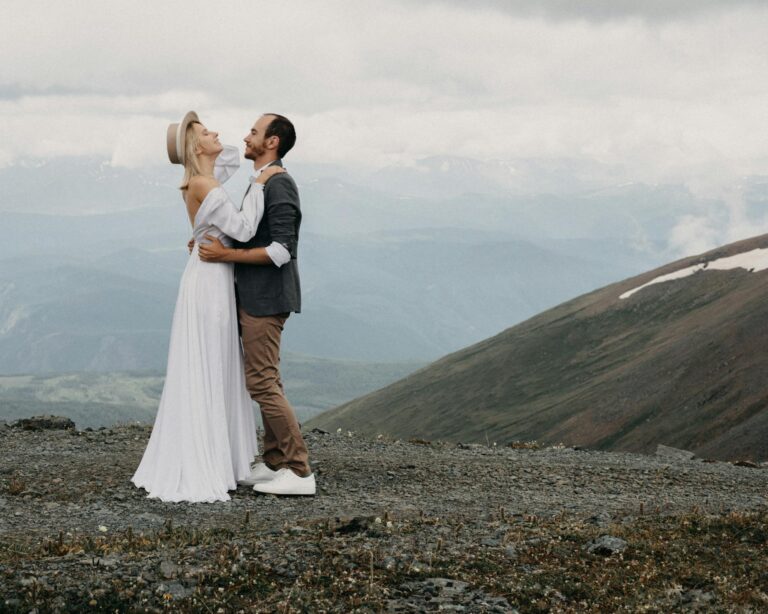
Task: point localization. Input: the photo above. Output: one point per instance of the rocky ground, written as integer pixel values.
(396, 526)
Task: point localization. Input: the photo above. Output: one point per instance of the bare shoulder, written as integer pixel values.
(199, 186)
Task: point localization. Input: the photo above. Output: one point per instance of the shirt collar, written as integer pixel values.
(258, 171)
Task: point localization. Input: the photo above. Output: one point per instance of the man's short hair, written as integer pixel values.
(283, 129)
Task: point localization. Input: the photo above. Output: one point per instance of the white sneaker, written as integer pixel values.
(286, 482)
(259, 473)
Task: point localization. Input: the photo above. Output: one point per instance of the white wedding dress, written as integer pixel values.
(204, 436)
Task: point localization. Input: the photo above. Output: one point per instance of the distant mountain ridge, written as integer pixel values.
(681, 363)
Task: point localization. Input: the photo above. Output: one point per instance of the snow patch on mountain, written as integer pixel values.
(755, 260)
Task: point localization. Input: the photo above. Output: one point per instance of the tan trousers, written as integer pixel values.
(283, 444)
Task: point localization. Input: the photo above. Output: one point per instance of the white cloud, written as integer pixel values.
(678, 100)
(601, 10)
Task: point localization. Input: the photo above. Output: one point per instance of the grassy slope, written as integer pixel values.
(681, 363)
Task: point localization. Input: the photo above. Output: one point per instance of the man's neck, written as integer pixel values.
(261, 162)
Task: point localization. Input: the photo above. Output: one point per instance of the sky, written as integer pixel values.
(651, 91)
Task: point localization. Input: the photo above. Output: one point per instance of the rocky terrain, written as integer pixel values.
(396, 526)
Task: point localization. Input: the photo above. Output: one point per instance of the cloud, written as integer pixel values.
(659, 100)
(601, 10)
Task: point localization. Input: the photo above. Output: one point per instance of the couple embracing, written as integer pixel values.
(239, 286)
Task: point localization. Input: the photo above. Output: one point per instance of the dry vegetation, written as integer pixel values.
(539, 565)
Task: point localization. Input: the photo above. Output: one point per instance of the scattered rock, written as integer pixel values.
(111, 560)
(490, 541)
(606, 545)
(389, 563)
(405, 511)
(600, 519)
(445, 594)
(746, 463)
(43, 423)
(356, 524)
(169, 569)
(173, 589)
(419, 441)
(469, 446)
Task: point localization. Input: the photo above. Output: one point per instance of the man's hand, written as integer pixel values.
(191, 244)
(213, 251)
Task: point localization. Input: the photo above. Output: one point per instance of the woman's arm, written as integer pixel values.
(239, 224)
(227, 163)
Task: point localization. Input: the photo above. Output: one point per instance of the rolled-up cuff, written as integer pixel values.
(278, 254)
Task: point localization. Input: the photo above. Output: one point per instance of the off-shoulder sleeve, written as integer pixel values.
(241, 225)
(227, 163)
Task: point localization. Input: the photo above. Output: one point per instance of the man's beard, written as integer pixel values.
(253, 154)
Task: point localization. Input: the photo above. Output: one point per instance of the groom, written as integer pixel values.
(267, 285)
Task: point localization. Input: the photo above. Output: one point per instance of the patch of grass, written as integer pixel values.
(15, 486)
(669, 562)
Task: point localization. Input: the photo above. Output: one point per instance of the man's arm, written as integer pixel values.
(215, 251)
(284, 213)
(283, 219)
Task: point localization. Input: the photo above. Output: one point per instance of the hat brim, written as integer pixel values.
(174, 137)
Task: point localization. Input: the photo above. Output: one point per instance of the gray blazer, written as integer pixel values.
(264, 290)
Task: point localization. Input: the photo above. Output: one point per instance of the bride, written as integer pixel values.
(204, 437)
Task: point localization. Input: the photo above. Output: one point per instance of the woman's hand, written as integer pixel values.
(268, 173)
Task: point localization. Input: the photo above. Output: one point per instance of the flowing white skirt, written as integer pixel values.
(204, 436)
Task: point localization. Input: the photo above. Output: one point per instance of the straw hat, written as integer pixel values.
(175, 137)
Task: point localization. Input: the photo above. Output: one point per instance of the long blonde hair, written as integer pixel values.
(191, 164)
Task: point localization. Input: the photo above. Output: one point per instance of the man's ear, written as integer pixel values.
(273, 142)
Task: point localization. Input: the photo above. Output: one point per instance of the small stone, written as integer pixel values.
(388, 563)
(606, 545)
(746, 463)
(169, 569)
(111, 560)
(177, 591)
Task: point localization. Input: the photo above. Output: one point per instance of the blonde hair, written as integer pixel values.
(191, 164)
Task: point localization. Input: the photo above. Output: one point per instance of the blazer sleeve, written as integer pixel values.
(240, 225)
(284, 212)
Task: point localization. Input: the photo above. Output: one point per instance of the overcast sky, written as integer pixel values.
(657, 90)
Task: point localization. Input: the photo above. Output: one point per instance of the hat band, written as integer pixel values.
(178, 143)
